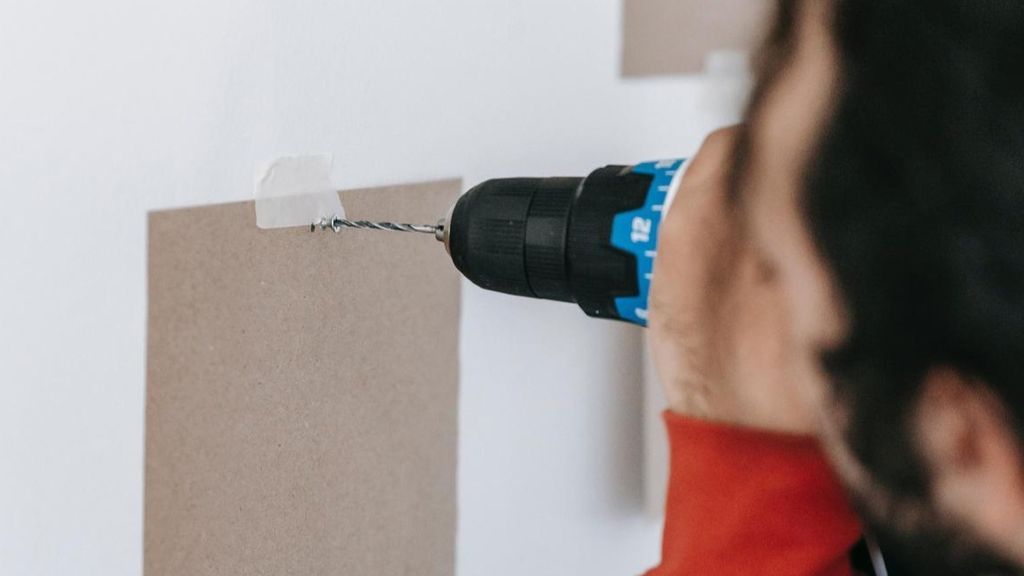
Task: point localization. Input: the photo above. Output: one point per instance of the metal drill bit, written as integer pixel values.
(337, 224)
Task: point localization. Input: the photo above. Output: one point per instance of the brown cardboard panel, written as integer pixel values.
(666, 37)
(301, 393)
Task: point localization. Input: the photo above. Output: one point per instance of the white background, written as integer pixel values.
(112, 108)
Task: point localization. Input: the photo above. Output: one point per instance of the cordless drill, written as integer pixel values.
(587, 240)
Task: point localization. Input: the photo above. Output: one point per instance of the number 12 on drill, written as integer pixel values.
(641, 230)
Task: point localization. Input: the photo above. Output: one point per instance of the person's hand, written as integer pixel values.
(717, 326)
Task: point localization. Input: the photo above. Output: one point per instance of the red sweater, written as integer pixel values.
(749, 502)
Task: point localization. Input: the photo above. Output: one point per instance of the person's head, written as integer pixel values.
(881, 175)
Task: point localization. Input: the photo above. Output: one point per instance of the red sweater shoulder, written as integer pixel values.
(748, 502)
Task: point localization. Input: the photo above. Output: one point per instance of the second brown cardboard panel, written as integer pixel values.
(672, 37)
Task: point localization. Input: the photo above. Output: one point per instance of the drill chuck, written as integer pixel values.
(587, 240)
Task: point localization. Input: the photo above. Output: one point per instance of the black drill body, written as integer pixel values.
(550, 237)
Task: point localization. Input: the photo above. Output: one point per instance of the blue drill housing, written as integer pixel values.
(636, 232)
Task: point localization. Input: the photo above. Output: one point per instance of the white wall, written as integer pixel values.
(114, 107)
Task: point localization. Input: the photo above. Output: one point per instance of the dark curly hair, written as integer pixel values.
(915, 199)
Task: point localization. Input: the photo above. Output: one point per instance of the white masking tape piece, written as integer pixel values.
(296, 191)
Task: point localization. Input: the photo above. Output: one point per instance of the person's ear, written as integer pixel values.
(968, 443)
